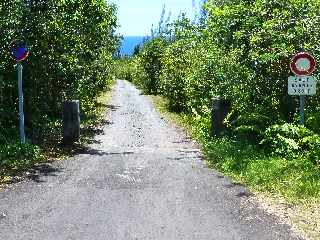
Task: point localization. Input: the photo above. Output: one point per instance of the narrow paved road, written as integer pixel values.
(141, 179)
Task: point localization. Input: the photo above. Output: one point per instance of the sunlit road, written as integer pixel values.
(141, 179)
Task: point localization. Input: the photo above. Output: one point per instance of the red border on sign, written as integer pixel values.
(23, 57)
(298, 56)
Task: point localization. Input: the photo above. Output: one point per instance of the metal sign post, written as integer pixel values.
(302, 86)
(21, 112)
(302, 65)
(19, 53)
(302, 106)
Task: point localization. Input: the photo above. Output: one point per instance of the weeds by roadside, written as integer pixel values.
(15, 159)
(289, 187)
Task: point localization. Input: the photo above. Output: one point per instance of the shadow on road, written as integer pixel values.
(34, 173)
(112, 107)
(242, 192)
(42, 170)
(95, 152)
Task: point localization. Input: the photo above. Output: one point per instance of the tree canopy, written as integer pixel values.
(71, 44)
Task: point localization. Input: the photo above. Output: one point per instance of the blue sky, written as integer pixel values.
(137, 16)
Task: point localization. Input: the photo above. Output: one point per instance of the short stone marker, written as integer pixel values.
(71, 121)
(220, 110)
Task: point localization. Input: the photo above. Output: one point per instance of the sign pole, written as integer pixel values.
(302, 106)
(21, 112)
(19, 52)
(303, 84)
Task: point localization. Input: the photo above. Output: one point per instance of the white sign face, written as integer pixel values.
(303, 64)
(302, 85)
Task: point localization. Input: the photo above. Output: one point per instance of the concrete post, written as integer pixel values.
(220, 110)
(71, 121)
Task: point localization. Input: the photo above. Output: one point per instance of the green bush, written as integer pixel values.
(15, 155)
(241, 52)
(71, 47)
(312, 146)
(313, 115)
(124, 69)
(173, 79)
(150, 65)
(264, 35)
(286, 139)
(71, 44)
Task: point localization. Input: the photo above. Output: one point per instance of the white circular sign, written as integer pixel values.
(303, 64)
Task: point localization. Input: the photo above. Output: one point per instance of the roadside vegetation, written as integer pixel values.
(240, 51)
(282, 186)
(72, 45)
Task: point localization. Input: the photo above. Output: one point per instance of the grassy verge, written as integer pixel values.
(15, 159)
(286, 187)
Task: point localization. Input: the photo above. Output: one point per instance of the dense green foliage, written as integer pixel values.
(290, 175)
(286, 173)
(150, 65)
(240, 51)
(71, 44)
(124, 68)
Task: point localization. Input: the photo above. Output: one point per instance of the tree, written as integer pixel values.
(71, 43)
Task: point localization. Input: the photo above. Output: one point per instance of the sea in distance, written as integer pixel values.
(129, 43)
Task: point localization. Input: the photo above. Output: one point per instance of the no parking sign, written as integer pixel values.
(19, 52)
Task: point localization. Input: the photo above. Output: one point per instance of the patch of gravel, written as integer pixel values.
(303, 217)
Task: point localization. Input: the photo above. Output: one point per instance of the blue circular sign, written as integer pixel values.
(19, 51)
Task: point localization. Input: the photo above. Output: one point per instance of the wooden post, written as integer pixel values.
(220, 110)
(71, 121)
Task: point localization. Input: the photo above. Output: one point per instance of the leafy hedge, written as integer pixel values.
(241, 52)
(124, 69)
(71, 44)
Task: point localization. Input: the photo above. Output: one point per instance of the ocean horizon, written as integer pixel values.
(129, 43)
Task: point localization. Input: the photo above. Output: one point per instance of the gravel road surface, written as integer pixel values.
(142, 179)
